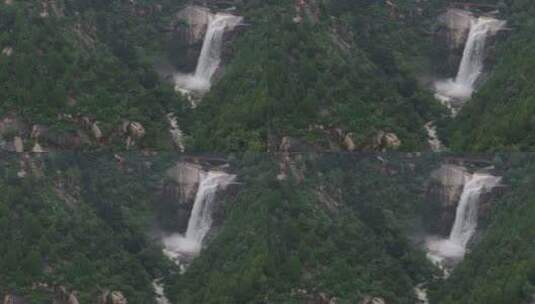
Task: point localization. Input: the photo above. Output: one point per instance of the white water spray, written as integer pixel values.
(464, 227)
(177, 245)
(465, 223)
(454, 92)
(158, 288)
(210, 57)
(432, 137)
(176, 133)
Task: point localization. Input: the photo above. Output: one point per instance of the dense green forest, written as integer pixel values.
(291, 241)
(348, 65)
(343, 231)
(308, 79)
(330, 214)
(326, 73)
(334, 74)
(78, 223)
(88, 59)
(83, 222)
(338, 226)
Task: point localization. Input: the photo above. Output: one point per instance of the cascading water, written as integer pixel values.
(183, 247)
(454, 92)
(176, 133)
(210, 56)
(158, 288)
(465, 223)
(432, 137)
(186, 245)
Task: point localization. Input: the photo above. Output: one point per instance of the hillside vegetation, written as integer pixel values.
(341, 67)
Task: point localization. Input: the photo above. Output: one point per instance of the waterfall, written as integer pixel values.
(186, 245)
(471, 65)
(201, 215)
(454, 92)
(465, 223)
(213, 41)
(210, 56)
(443, 251)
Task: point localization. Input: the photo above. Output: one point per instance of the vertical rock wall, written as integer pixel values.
(442, 196)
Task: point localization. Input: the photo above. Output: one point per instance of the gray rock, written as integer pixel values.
(442, 196)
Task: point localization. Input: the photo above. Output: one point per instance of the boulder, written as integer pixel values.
(384, 141)
(62, 294)
(8, 51)
(117, 297)
(114, 297)
(349, 142)
(372, 300)
(95, 129)
(136, 129)
(392, 141)
(72, 299)
(18, 144)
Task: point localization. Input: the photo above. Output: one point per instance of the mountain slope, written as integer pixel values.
(74, 67)
(501, 268)
(337, 75)
(313, 238)
(77, 226)
(334, 74)
(500, 116)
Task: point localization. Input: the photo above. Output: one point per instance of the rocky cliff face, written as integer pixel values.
(443, 193)
(189, 27)
(488, 198)
(450, 38)
(186, 177)
(451, 33)
(458, 24)
(180, 189)
(188, 32)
